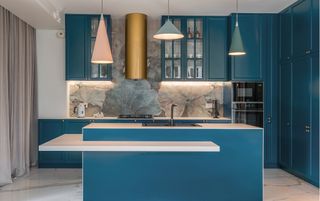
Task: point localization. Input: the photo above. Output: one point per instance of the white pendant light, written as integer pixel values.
(102, 51)
(236, 47)
(168, 31)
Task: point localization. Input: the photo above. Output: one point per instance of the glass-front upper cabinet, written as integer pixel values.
(98, 71)
(183, 59)
(172, 56)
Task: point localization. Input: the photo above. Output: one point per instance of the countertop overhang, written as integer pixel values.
(74, 142)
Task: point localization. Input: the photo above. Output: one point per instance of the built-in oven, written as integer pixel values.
(247, 104)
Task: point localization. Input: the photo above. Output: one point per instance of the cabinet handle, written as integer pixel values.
(288, 124)
(308, 51)
(307, 127)
(269, 120)
(307, 131)
(288, 58)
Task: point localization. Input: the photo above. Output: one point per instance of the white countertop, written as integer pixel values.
(156, 118)
(139, 126)
(73, 142)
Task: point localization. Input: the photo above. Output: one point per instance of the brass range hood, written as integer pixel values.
(136, 46)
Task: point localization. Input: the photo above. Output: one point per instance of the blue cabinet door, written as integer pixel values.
(301, 99)
(76, 47)
(48, 130)
(285, 115)
(315, 25)
(249, 67)
(285, 35)
(301, 28)
(315, 119)
(216, 48)
(74, 158)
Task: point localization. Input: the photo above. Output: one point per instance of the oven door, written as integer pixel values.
(251, 117)
(248, 92)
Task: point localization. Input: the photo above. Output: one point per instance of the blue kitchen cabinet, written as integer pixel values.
(183, 60)
(315, 25)
(299, 117)
(315, 119)
(301, 28)
(301, 96)
(52, 128)
(285, 35)
(285, 115)
(271, 88)
(76, 60)
(216, 48)
(249, 67)
(201, 54)
(81, 33)
(48, 130)
(74, 127)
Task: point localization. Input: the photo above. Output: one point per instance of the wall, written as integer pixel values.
(52, 87)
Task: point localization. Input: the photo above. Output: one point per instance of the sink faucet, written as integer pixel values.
(171, 119)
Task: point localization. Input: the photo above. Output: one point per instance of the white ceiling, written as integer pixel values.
(46, 14)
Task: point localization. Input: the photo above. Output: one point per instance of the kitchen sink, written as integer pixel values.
(167, 124)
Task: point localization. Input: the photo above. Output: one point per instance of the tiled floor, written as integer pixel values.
(65, 185)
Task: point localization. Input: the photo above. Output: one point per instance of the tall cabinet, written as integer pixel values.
(299, 91)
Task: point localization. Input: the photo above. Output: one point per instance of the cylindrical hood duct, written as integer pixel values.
(136, 46)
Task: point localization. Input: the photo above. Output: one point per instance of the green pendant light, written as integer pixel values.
(168, 31)
(236, 47)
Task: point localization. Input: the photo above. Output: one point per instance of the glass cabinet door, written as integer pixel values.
(194, 48)
(172, 56)
(97, 71)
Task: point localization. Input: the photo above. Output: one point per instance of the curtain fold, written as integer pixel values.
(17, 96)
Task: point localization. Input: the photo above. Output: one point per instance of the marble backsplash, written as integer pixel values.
(150, 96)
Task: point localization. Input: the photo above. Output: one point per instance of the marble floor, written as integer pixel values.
(65, 185)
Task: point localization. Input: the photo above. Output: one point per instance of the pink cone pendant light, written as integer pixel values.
(102, 51)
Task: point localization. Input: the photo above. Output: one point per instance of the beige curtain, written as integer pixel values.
(17, 97)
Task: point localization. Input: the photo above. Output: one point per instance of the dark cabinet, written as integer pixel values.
(271, 88)
(315, 25)
(201, 54)
(216, 48)
(50, 129)
(285, 35)
(76, 59)
(299, 117)
(301, 28)
(301, 127)
(81, 33)
(285, 115)
(184, 59)
(250, 66)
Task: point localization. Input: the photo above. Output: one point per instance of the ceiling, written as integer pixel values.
(49, 14)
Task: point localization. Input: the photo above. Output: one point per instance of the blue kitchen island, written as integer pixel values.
(233, 173)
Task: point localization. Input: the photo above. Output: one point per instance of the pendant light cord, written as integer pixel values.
(168, 9)
(237, 6)
(101, 7)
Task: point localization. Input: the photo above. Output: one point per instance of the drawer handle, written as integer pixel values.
(308, 51)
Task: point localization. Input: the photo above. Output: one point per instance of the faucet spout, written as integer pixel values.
(171, 116)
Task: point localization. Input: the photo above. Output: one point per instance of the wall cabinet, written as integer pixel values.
(201, 54)
(216, 48)
(299, 29)
(81, 33)
(253, 29)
